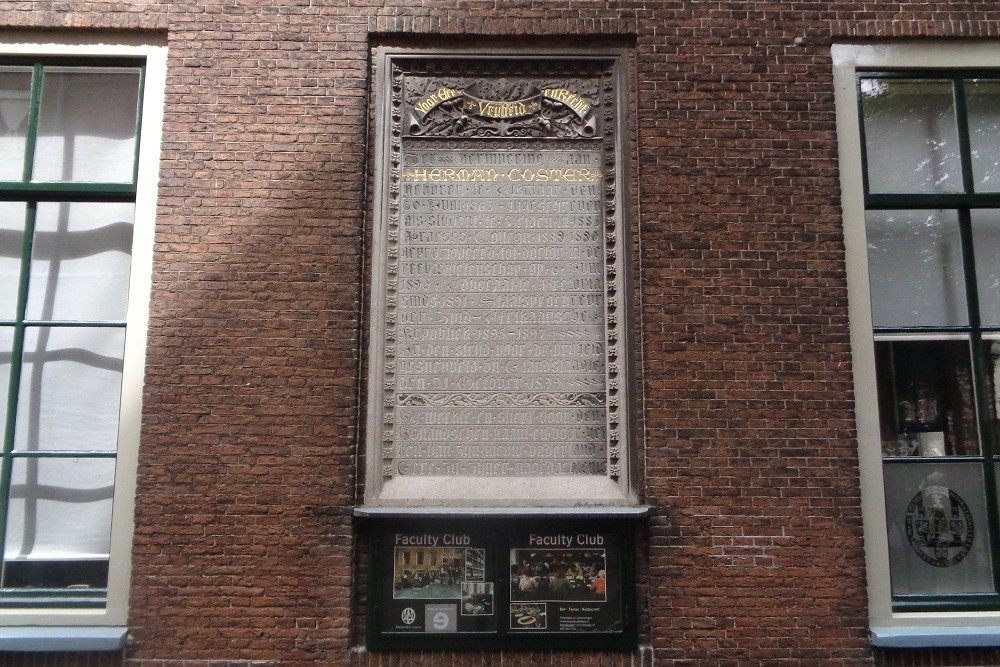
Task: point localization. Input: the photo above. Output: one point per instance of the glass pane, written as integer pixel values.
(982, 100)
(911, 136)
(11, 243)
(70, 389)
(991, 357)
(60, 509)
(915, 269)
(938, 536)
(926, 399)
(15, 97)
(986, 241)
(86, 125)
(6, 347)
(80, 261)
(56, 573)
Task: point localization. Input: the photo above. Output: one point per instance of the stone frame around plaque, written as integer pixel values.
(517, 143)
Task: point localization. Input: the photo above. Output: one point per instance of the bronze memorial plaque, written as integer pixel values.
(498, 319)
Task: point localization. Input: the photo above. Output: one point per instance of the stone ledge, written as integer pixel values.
(62, 638)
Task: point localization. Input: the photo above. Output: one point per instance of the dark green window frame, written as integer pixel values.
(964, 203)
(31, 193)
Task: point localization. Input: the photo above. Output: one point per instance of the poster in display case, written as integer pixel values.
(564, 589)
(504, 582)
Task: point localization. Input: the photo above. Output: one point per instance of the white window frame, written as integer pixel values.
(889, 628)
(31, 628)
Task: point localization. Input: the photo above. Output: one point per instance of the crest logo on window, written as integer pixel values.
(939, 526)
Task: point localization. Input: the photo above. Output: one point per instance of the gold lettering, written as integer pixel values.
(436, 98)
(514, 174)
(462, 175)
(496, 109)
(569, 98)
(543, 175)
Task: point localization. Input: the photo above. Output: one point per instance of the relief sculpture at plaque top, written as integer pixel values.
(497, 312)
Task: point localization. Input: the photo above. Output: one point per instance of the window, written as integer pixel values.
(920, 163)
(77, 183)
(934, 263)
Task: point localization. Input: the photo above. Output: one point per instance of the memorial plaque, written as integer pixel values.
(497, 364)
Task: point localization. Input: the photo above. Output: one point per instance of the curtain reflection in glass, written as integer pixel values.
(15, 97)
(6, 350)
(70, 389)
(80, 261)
(11, 243)
(915, 265)
(986, 239)
(982, 101)
(87, 125)
(911, 136)
(60, 508)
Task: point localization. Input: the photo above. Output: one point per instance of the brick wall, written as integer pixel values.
(245, 550)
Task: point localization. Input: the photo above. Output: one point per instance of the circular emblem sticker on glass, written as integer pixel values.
(939, 526)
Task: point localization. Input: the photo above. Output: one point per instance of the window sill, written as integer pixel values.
(62, 638)
(936, 636)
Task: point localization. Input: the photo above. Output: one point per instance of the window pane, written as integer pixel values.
(56, 573)
(80, 261)
(938, 536)
(70, 389)
(991, 356)
(915, 269)
(982, 101)
(60, 509)
(986, 240)
(86, 125)
(911, 136)
(11, 241)
(15, 96)
(6, 347)
(926, 399)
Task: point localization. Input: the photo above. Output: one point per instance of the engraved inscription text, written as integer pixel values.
(500, 354)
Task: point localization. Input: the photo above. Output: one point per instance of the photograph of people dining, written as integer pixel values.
(477, 599)
(428, 573)
(558, 574)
